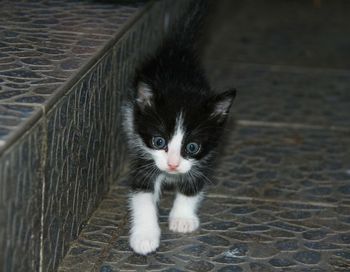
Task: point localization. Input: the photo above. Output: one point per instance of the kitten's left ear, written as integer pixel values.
(144, 95)
(222, 104)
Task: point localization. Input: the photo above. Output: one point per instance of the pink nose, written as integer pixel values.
(173, 166)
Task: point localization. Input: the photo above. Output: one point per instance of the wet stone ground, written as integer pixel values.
(280, 199)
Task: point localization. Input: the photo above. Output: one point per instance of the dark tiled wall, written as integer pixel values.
(20, 203)
(78, 168)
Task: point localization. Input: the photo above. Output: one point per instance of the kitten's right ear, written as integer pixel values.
(222, 104)
(144, 95)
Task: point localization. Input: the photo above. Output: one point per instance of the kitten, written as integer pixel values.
(173, 122)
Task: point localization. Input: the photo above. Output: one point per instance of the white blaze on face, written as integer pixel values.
(171, 160)
(174, 146)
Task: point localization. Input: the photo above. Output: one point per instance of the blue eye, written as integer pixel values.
(192, 148)
(159, 142)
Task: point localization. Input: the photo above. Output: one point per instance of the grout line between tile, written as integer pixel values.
(249, 123)
(247, 198)
(43, 188)
(282, 67)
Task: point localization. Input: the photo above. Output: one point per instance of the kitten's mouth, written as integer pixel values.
(172, 171)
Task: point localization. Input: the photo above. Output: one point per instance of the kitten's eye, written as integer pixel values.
(192, 148)
(159, 142)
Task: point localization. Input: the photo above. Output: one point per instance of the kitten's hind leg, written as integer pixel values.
(145, 231)
(183, 217)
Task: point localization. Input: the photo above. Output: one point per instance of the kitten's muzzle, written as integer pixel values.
(172, 167)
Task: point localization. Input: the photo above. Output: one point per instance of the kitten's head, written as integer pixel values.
(180, 126)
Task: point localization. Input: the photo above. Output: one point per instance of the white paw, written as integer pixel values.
(144, 243)
(183, 225)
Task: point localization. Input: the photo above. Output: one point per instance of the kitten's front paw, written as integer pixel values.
(183, 225)
(144, 243)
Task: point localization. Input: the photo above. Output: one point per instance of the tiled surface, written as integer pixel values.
(12, 118)
(43, 45)
(235, 235)
(78, 167)
(54, 176)
(20, 203)
(286, 164)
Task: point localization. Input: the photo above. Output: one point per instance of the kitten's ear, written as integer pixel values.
(222, 104)
(144, 95)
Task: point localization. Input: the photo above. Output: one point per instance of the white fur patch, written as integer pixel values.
(168, 161)
(145, 231)
(174, 146)
(158, 188)
(183, 217)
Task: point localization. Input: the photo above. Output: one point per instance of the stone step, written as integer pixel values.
(64, 67)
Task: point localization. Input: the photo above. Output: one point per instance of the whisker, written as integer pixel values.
(200, 174)
(149, 165)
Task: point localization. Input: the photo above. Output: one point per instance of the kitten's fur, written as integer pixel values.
(172, 99)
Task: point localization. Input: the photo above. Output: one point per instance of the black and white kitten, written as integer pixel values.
(173, 122)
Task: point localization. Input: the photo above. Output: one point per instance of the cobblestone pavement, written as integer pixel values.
(280, 200)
